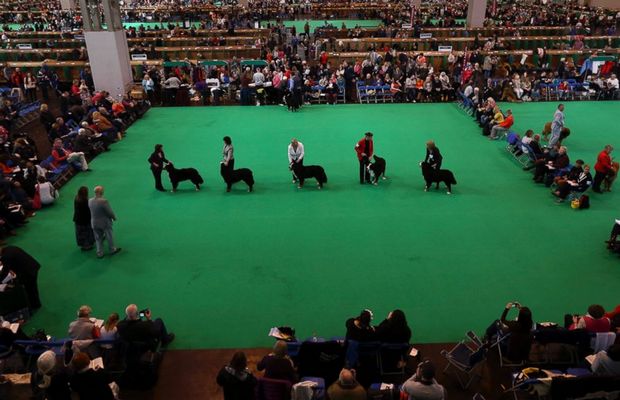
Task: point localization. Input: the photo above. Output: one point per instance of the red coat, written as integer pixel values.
(359, 149)
(603, 162)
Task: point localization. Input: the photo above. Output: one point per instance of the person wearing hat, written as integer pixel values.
(422, 385)
(364, 149)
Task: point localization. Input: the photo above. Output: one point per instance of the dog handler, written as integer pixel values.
(295, 155)
(157, 160)
(364, 150)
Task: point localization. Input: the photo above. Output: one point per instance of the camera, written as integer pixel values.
(143, 312)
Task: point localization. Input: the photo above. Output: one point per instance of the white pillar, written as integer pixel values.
(108, 56)
(476, 10)
(68, 4)
(108, 52)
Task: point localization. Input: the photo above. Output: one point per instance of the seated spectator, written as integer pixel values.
(422, 385)
(578, 180)
(83, 144)
(135, 329)
(346, 387)
(594, 321)
(105, 126)
(520, 340)
(614, 315)
(46, 117)
(51, 379)
(607, 363)
(277, 364)
(236, 379)
(359, 328)
(491, 119)
(24, 150)
(394, 328)
(83, 328)
(62, 156)
(503, 127)
(555, 162)
(47, 192)
(88, 383)
(109, 330)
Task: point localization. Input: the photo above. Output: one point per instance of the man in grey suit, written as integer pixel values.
(101, 215)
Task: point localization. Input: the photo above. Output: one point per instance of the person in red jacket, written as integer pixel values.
(503, 127)
(364, 150)
(602, 167)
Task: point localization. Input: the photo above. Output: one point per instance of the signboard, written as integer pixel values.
(138, 57)
(426, 35)
(445, 48)
(24, 46)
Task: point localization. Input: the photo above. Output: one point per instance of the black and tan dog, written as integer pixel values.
(237, 175)
(183, 174)
(432, 175)
(376, 170)
(303, 172)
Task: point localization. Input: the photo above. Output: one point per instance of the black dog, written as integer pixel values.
(303, 172)
(291, 101)
(376, 169)
(237, 175)
(432, 175)
(183, 174)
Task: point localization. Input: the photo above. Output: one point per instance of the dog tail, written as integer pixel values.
(451, 178)
(199, 179)
(249, 178)
(323, 176)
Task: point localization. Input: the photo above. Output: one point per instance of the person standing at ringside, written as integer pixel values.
(433, 155)
(102, 217)
(81, 217)
(557, 125)
(157, 160)
(364, 149)
(602, 167)
(295, 155)
(228, 157)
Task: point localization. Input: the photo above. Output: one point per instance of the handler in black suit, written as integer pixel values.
(433, 155)
(25, 268)
(157, 160)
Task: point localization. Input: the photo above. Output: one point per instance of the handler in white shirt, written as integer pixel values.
(295, 155)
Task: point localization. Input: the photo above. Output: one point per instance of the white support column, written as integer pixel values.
(108, 56)
(476, 10)
(108, 52)
(68, 4)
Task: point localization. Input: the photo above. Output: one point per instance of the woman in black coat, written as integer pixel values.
(236, 380)
(394, 328)
(433, 155)
(157, 160)
(81, 217)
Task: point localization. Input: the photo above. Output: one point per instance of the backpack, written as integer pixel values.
(584, 202)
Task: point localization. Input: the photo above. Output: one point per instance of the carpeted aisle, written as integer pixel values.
(222, 268)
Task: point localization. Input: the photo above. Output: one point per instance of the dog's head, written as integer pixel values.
(426, 168)
(168, 166)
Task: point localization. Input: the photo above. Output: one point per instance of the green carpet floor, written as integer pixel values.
(222, 268)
